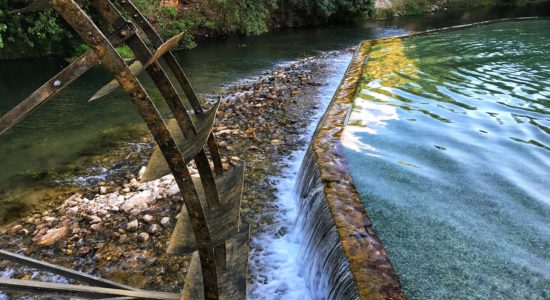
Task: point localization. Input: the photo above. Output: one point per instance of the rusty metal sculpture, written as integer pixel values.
(209, 223)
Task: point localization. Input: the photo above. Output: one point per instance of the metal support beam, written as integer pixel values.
(173, 64)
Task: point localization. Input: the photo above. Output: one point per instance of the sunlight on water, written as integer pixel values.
(449, 146)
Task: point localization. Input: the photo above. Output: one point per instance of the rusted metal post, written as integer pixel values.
(88, 31)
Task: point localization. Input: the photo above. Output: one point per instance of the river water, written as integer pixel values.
(449, 147)
(50, 146)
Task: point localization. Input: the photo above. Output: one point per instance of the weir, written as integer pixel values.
(321, 253)
(341, 254)
(342, 258)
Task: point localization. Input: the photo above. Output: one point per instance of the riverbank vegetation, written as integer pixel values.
(45, 33)
(393, 8)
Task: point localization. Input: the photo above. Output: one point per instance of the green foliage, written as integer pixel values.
(322, 11)
(32, 35)
(45, 33)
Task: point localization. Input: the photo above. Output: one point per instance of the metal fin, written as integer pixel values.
(157, 166)
(136, 67)
(223, 222)
(232, 282)
(164, 48)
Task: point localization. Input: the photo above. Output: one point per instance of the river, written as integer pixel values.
(61, 142)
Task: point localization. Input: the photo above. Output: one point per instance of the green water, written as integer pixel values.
(449, 146)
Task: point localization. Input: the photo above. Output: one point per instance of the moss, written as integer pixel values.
(125, 52)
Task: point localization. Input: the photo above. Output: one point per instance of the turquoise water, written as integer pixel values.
(449, 146)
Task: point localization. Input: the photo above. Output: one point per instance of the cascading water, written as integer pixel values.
(300, 257)
(323, 263)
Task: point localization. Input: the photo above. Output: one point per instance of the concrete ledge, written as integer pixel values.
(369, 264)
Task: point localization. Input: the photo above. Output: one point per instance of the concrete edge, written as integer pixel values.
(373, 273)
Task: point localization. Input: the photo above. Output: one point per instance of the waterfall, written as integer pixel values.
(323, 262)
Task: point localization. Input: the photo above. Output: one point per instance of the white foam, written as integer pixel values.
(274, 255)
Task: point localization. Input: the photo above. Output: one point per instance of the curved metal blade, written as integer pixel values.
(164, 48)
(136, 68)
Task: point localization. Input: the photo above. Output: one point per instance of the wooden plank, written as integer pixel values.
(157, 166)
(58, 270)
(164, 48)
(48, 90)
(136, 67)
(223, 222)
(57, 83)
(58, 289)
(232, 281)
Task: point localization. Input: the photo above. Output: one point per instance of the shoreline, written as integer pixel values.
(121, 232)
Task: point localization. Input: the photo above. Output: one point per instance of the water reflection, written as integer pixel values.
(448, 146)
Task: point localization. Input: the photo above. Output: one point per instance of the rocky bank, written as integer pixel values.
(119, 229)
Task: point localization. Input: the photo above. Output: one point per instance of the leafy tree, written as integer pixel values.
(31, 35)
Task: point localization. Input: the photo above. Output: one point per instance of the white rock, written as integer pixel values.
(173, 190)
(50, 219)
(140, 201)
(148, 218)
(95, 219)
(154, 228)
(103, 189)
(165, 221)
(132, 225)
(72, 210)
(144, 236)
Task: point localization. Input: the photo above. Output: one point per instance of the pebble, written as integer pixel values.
(103, 189)
(165, 221)
(144, 236)
(51, 237)
(50, 219)
(277, 142)
(133, 225)
(72, 210)
(148, 218)
(95, 219)
(155, 228)
(16, 229)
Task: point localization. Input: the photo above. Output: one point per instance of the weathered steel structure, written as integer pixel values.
(209, 224)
